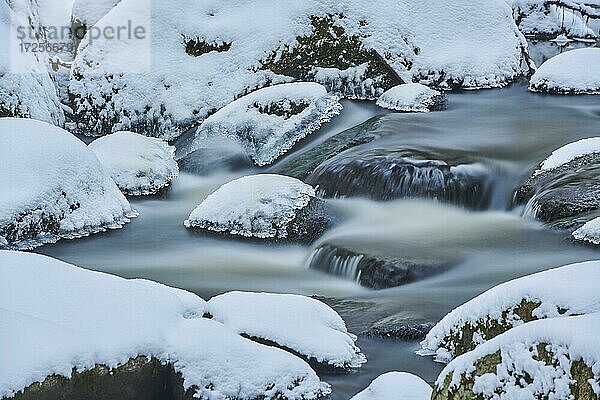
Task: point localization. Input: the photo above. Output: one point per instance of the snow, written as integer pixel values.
(473, 44)
(570, 152)
(396, 386)
(266, 135)
(26, 89)
(590, 232)
(538, 18)
(139, 165)
(572, 288)
(55, 322)
(302, 324)
(260, 206)
(88, 12)
(568, 339)
(48, 174)
(411, 97)
(572, 72)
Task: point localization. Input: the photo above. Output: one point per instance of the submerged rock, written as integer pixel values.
(304, 326)
(412, 97)
(396, 386)
(265, 206)
(269, 122)
(565, 191)
(387, 175)
(53, 187)
(553, 358)
(139, 165)
(589, 233)
(372, 271)
(399, 326)
(564, 291)
(569, 73)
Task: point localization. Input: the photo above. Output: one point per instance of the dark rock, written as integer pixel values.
(565, 197)
(401, 326)
(383, 175)
(139, 379)
(372, 271)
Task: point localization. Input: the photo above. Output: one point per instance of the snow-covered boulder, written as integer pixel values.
(391, 174)
(205, 55)
(556, 358)
(590, 232)
(300, 324)
(70, 322)
(412, 97)
(565, 188)
(262, 206)
(544, 19)
(396, 386)
(26, 89)
(572, 72)
(53, 186)
(139, 165)
(269, 121)
(564, 291)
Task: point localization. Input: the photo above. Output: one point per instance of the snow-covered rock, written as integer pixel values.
(570, 152)
(396, 386)
(53, 186)
(572, 72)
(412, 97)
(557, 358)
(269, 121)
(205, 55)
(545, 19)
(566, 186)
(261, 206)
(590, 232)
(301, 324)
(85, 13)
(63, 317)
(564, 291)
(26, 89)
(139, 165)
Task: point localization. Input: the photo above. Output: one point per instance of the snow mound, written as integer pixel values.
(260, 206)
(26, 89)
(205, 55)
(557, 358)
(53, 186)
(55, 322)
(572, 72)
(268, 122)
(139, 165)
(568, 290)
(412, 97)
(396, 386)
(570, 152)
(301, 324)
(590, 232)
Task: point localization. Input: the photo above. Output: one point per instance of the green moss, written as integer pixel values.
(283, 108)
(581, 388)
(197, 47)
(329, 46)
(464, 391)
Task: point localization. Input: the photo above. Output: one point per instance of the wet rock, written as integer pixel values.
(400, 326)
(372, 271)
(139, 379)
(268, 207)
(564, 197)
(387, 175)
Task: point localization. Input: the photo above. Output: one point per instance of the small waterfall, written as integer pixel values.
(337, 262)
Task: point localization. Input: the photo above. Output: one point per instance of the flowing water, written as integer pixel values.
(509, 131)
